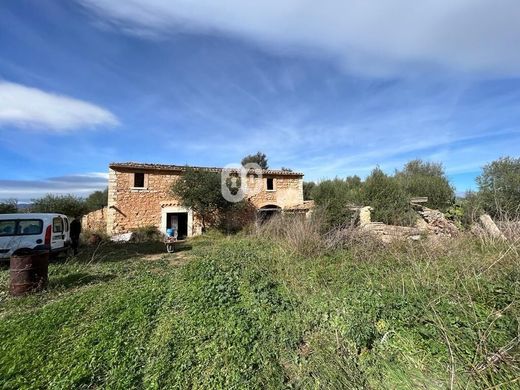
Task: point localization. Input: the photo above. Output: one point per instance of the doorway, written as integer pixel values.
(179, 222)
(267, 212)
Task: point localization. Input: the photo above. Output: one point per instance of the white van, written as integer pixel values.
(33, 231)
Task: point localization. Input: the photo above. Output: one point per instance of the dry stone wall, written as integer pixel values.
(95, 220)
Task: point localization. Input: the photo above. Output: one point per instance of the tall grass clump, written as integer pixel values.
(295, 232)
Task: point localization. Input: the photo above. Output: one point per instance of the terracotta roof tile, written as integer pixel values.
(180, 168)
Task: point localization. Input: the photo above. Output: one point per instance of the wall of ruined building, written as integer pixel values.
(130, 208)
(288, 191)
(95, 220)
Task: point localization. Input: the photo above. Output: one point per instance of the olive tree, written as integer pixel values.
(200, 190)
(64, 204)
(9, 206)
(258, 158)
(499, 187)
(420, 178)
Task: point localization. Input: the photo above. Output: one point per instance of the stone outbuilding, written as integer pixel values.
(140, 195)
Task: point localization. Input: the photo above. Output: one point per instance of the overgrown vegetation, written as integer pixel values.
(97, 200)
(64, 204)
(499, 188)
(9, 206)
(201, 190)
(252, 312)
(498, 193)
(147, 234)
(295, 303)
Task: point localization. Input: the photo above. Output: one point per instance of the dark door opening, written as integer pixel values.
(178, 221)
(267, 212)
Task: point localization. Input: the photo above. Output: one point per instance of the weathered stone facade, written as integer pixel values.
(130, 207)
(95, 220)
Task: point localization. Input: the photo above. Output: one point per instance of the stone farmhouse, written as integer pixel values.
(140, 195)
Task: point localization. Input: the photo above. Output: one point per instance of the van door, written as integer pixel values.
(66, 230)
(58, 234)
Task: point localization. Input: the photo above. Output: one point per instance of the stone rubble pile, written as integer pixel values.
(435, 222)
(431, 223)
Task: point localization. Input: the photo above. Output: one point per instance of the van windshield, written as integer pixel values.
(20, 227)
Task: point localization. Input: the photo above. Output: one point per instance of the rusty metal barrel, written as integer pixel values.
(29, 272)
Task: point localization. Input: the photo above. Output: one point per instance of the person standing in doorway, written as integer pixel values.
(75, 231)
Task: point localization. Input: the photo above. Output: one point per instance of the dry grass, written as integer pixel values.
(301, 235)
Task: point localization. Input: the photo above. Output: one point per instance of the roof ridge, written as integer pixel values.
(139, 165)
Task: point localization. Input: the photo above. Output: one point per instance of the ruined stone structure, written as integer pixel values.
(95, 221)
(139, 195)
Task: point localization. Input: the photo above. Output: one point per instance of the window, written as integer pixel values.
(270, 184)
(23, 227)
(57, 225)
(7, 228)
(139, 180)
(28, 227)
(66, 224)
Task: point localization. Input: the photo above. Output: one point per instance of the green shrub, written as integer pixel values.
(499, 188)
(69, 205)
(97, 200)
(9, 206)
(308, 188)
(146, 233)
(419, 178)
(238, 216)
(390, 201)
(388, 195)
(335, 197)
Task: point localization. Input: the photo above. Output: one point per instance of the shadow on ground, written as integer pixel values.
(77, 279)
(113, 252)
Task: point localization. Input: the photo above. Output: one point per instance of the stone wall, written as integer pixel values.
(288, 191)
(130, 208)
(95, 220)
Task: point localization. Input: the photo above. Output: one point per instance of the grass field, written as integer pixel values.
(246, 312)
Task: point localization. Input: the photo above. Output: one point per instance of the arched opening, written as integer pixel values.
(265, 213)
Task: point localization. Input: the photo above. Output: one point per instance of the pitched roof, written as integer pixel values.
(181, 168)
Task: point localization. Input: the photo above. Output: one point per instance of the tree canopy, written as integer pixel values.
(258, 158)
(69, 205)
(200, 190)
(499, 187)
(9, 206)
(420, 178)
(97, 200)
(308, 187)
(388, 195)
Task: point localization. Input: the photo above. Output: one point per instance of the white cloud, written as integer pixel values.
(377, 37)
(76, 184)
(23, 106)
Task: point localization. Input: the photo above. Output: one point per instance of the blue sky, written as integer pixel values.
(330, 89)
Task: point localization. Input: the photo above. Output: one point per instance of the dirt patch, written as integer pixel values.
(155, 256)
(178, 258)
(175, 259)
